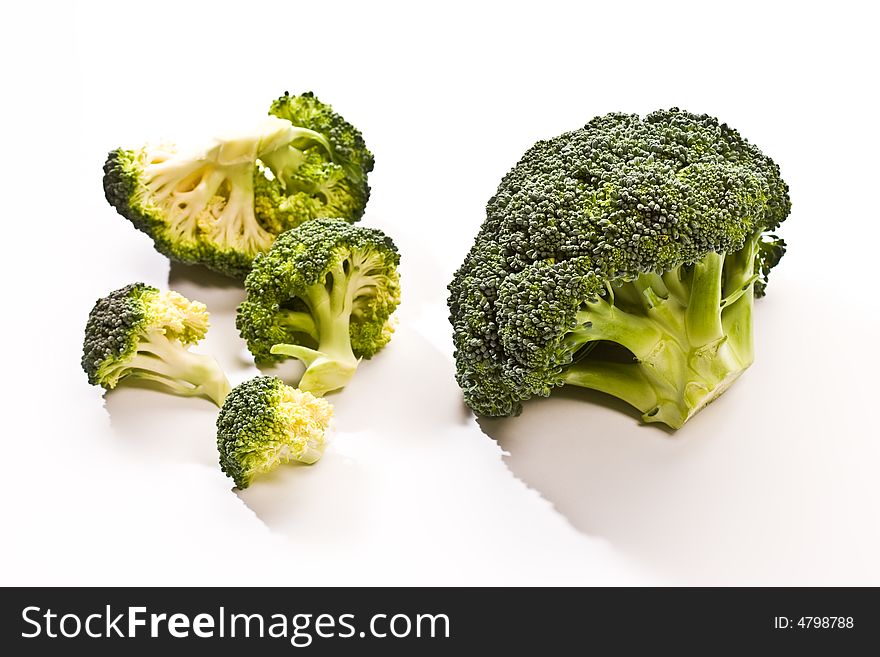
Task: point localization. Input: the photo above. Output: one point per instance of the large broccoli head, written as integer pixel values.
(138, 332)
(622, 256)
(324, 293)
(224, 204)
(264, 423)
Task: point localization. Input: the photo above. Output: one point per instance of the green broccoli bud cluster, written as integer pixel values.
(264, 423)
(623, 256)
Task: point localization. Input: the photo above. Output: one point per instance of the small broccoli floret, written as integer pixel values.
(221, 206)
(347, 144)
(770, 251)
(138, 332)
(264, 423)
(622, 257)
(324, 293)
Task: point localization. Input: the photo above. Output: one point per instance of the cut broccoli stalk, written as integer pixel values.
(179, 370)
(331, 304)
(688, 329)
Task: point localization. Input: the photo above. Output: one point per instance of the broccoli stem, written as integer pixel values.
(329, 367)
(298, 322)
(741, 272)
(333, 363)
(625, 381)
(331, 305)
(170, 364)
(703, 314)
(286, 160)
(689, 331)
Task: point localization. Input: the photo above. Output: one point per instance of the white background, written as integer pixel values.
(775, 483)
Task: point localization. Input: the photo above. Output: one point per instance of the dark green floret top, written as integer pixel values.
(303, 256)
(112, 326)
(636, 195)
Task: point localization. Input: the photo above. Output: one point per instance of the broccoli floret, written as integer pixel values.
(346, 142)
(622, 257)
(324, 293)
(264, 423)
(138, 332)
(221, 206)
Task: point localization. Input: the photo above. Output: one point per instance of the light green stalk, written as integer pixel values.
(171, 365)
(333, 363)
(690, 331)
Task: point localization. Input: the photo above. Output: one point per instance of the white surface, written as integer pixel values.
(774, 483)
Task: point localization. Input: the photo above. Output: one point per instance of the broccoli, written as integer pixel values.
(264, 423)
(223, 205)
(138, 332)
(324, 294)
(622, 257)
(346, 143)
